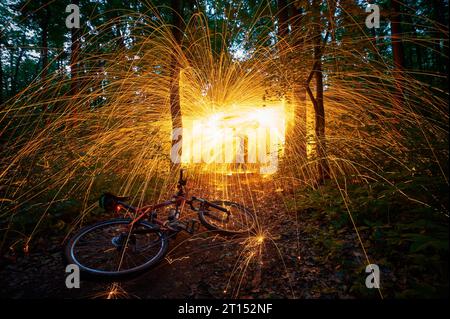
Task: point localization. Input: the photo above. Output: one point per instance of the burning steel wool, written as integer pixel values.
(238, 135)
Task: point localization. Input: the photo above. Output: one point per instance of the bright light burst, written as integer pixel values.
(240, 135)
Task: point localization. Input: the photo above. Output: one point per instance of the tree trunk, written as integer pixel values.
(438, 16)
(175, 106)
(323, 168)
(299, 90)
(323, 173)
(282, 20)
(396, 30)
(1, 69)
(14, 79)
(440, 52)
(376, 56)
(397, 48)
(74, 57)
(44, 52)
(11, 71)
(44, 45)
(416, 48)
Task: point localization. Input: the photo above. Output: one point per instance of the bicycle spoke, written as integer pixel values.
(109, 248)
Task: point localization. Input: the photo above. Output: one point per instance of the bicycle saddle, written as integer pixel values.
(109, 201)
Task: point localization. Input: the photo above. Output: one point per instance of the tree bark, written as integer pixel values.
(14, 79)
(416, 48)
(397, 48)
(441, 57)
(283, 20)
(438, 17)
(376, 56)
(1, 68)
(44, 44)
(323, 168)
(175, 106)
(396, 30)
(44, 51)
(299, 91)
(74, 57)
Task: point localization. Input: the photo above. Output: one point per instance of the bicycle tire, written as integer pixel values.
(71, 257)
(250, 228)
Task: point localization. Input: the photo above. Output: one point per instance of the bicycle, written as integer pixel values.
(126, 246)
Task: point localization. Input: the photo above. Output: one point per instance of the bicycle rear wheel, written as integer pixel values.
(240, 220)
(111, 249)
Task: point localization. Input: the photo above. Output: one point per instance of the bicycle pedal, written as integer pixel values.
(191, 227)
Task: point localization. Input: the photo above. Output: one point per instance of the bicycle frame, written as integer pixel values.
(179, 200)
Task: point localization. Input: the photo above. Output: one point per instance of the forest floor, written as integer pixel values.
(286, 265)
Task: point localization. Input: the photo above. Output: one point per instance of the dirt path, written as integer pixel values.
(283, 265)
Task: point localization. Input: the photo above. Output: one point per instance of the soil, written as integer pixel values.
(205, 265)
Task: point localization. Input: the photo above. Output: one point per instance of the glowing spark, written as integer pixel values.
(260, 239)
(171, 261)
(116, 292)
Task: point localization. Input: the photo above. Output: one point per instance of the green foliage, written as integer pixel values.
(407, 239)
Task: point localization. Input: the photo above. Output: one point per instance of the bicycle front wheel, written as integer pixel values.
(238, 221)
(113, 249)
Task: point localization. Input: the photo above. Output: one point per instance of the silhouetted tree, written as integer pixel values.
(175, 106)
